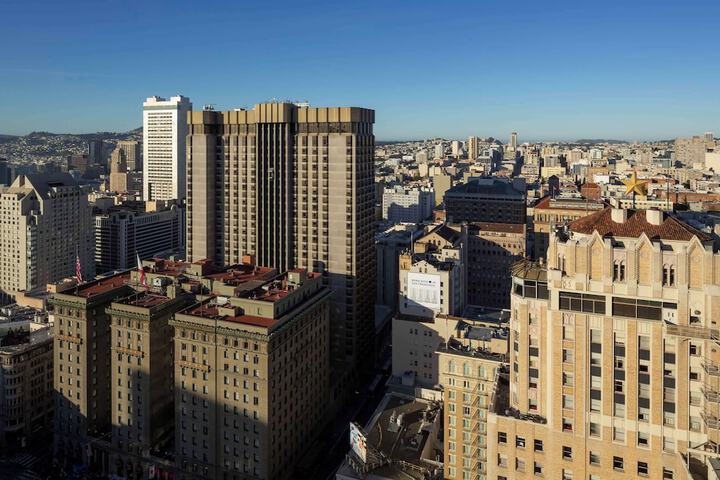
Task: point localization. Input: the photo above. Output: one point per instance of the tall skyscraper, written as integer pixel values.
(45, 224)
(456, 148)
(513, 141)
(118, 171)
(95, 151)
(614, 364)
(293, 186)
(472, 147)
(133, 154)
(164, 136)
(6, 176)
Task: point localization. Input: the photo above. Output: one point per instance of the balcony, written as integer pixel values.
(693, 332)
(711, 368)
(710, 394)
(711, 421)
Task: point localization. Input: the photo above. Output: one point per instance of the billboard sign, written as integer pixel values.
(358, 442)
(424, 289)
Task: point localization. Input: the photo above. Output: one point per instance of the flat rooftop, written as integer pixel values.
(98, 287)
(207, 310)
(400, 430)
(34, 338)
(145, 300)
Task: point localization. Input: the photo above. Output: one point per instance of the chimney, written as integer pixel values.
(619, 215)
(654, 217)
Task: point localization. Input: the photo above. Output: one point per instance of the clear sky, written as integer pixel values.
(631, 69)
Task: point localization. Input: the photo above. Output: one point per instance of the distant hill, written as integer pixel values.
(48, 146)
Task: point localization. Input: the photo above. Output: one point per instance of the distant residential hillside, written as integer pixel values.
(47, 146)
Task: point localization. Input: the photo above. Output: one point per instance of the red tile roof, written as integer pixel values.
(636, 224)
(98, 287)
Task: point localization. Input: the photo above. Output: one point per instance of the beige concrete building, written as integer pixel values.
(468, 364)
(205, 372)
(689, 151)
(472, 147)
(142, 408)
(81, 367)
(26, 387)
(45, 222)
(432, 280)
(550, 213)
(613, 364)
(415, 341)
(132, 151)
(293, 186)
(251, 374)
(118, 171)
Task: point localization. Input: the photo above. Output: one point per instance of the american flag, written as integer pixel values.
(78, 269)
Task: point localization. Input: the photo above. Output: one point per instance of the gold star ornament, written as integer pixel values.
(633, 185)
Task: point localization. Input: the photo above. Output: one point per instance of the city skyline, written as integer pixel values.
(448, 71)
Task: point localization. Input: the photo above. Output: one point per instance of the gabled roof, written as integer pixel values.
(446, 233)
(636, 224)
(43, 182)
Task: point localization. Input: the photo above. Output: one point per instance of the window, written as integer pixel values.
(502, 437)
(594, 458)
(594, 429)
(519, 464)
(619, 271)
(567, 474)
(567, 453)
(520, 442)
(567, 401)
(582, 302)
(642, 469)
(634, 308)
(667, 474)
(643, 439)
(538, 445)
(537, 468)
(618, 463)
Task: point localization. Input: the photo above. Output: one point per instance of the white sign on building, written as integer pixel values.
(424, 289)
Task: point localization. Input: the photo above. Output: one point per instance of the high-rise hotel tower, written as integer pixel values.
(293, 186)
(164, 134)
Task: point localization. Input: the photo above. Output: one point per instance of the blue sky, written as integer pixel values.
(632, 69)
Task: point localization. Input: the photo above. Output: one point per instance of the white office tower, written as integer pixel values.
(164, 133)
(439, 151)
